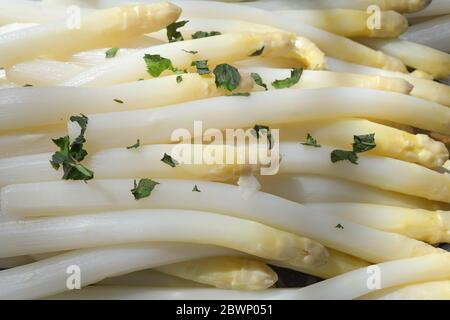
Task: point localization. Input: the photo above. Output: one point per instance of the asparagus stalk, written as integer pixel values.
(103, 28)
(435, 290)
(390, 142)
(415, 55)
(351, 23)
(59, 198)
(95, 264)
(273, 107)
(30, 12)
(433, 33)
(423, 88)
(319, 189)
(12, 262)
(114, 228)
(429, 226)
(225, 273)
(437, 7)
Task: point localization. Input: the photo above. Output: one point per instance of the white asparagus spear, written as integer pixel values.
(435, 290)
(31, 107)
(429, 226)
(423, 88)
(12, 262)
(63, 198)
(319, 189)
(31, 141)
(219, 49)
(95, 264)
(272, 107)
(415, 55)
(436, 7)
(195, 162)
(103, 28)
(115, 228)
(351, 23)
(233, 273)
(434, 33)
(390, 142)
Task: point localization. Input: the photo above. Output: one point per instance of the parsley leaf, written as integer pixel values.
(28, 85)
(135, 146)
(289, 82)
(196, 189)
(202, 66)
(339, 226)
(179, 79)
(169, 160)
(240, 94)
(258, 52)
(144, 188)
(70, 155)
(258, 129)
(310, 141)
(118, 101)
(111, 53)
(204, 34)
(258, 80)
(172, 31)
(341, 155)
(227, 77)
(157, 64)
(191, 52)
(364, 143)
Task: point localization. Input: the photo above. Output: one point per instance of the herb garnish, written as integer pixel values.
(258, 52)
(227, 77)
(296, 74)
(339, 226)
(202, 66)
(258, 129)
(173, 35)
(204, 34)
(157, 64)
(341, 155)
(240, 94)
(258, 80)
(111, 53)
(191, 52)
(310, 141)
(179, 79)
(135, 146)
(144, 188)
(364, 142)
(167, 159)
(196, 189)
(118, 101)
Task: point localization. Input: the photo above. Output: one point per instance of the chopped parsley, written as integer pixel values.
(258, 52)
(258, 129)
(157, 64)
(111, 53)
(196, 189)
(240, 94)
(342, 155)
(364, 142)
(135, 146)
(118, 101)
(179, 79)
(173, 35)
(310, 141)
(258, 80)
(202, 66)
(227, 77)
(144, 188)
(204, 34)
(339, 226)
(169, 160)
(70, 155)
(191, 52)
(28, 85)
(296, 74)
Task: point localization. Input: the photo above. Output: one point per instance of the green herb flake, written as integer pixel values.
(196, 189)
(339, 226)
(258, 80)
(364, 143)
(169, 160)
(118, 101)
(261, 129)
(342, 155)
(157, 64)
(179, 79)
(227, 77)
(296, 74)
(310, 141)
(204, 34)
(202, 66)
(190, 52)
(135, 146)
(240, 94)
(28, 85)
(144, 188)
(258, 52)
(111, 53)
(173, 35)
(70, 155)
